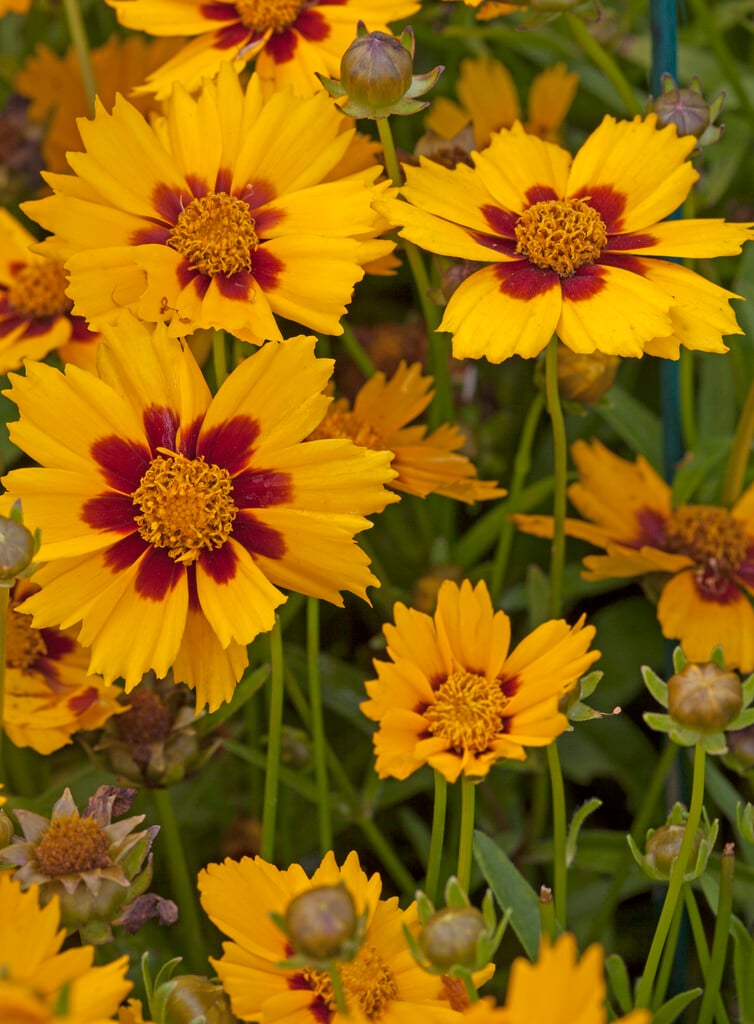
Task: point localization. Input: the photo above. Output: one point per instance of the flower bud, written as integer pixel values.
(376, 70)
(704, 696)
(740, 754)
(585, 377)
(664, 845)
(193, 997)
(450, 937)
(688, 110)
(321, 921)
(6, 830)
(17, 546)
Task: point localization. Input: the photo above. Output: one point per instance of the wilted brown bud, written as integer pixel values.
(585, 377)
(321, 921)
(704, 696)
(664, 845)
(450, 937)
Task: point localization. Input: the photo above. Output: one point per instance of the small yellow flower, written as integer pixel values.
(454, 697)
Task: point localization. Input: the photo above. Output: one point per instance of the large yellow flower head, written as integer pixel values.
(454, 697)
(218, 215)
(289, 39)
(382, 985)
(705, 552)
(425, 463)
(575, 246)
(35, 312)
(36, 979)
(170, 518)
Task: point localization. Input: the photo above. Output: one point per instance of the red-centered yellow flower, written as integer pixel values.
(706, 551)
(57, 95)
(169, 518)
(49, 695)
(217, 215)
(35, 312)
(454, 697)
(425, 464)
(382, 985)
(574, 246)
(489, 101)
(559, 988)
(289, 39)
(37, 980)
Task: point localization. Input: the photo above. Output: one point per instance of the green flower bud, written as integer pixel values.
(688, 110)
(321, 922)
(376, 70)
(6, 830)
(664, 845)
(194, 997)
(450, 937)
(704, 696)
(585, 376)
(17, 547)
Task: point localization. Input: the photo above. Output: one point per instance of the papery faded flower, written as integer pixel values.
(49, 694)
(229, 222)
(55, 87)
(35, 312)
(575, 246)
(90, 863)
(37, 980)
(170, 518)
(382, 984)
(289, 40)
(425, 463)
(454, 697)
(705, 552)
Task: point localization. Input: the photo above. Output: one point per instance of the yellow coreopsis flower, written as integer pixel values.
(454, 697)
(290, 40)
(36, 979)
(383, 983)
(218, 215)
(169, 518)
(575, 246)
(425, 463)
(489, 101)
(705, 552)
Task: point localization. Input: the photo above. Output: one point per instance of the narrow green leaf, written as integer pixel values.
(633, 423)
(511, 890)
(575, 827)
(675, 1006)
(620, 984)
(743, 970)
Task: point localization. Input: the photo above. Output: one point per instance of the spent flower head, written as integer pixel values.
(688, 110)
(376, 76)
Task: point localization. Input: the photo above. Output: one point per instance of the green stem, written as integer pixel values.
(686, 384)
(603, 59)
(219, 357)
(560, 871)
(702, 952)
(714, 975)
(434, 860)
(181, 882)
(547, 914)
(471, 990)
(274, 737)
(80, 42)
(521, 465)
(675, 885)
(4, 600)
(740, 452)
(466, 832)
(640, 824)
(441, 410)
(560, 459)
(356, 351)
(337, 990)
(668, 958)
(324, 817)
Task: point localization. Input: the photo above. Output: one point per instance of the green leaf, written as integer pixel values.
(633, 423)
(577, 821)
(512, 892)
(675, 1006)
(743, 970)
(620, 984)
(699, 466)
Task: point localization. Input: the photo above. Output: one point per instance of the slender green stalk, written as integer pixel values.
(324, 818)
(680, 865)
(4, 600)
(181, 882)
(521, 464)
(337, 990)
(80, 42)
(560, 459)
(604, 60)
(686, 385)
(560, 870)
(639, 827)
(470, 987)
(466, 832)
(702, 952)
(740, 452)
(434, 860)
(668, 958)
(356, 351)
(274, 737)
(547, 914)
(219, 357)
(441, 409)
(714, 975)
(387, 855)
